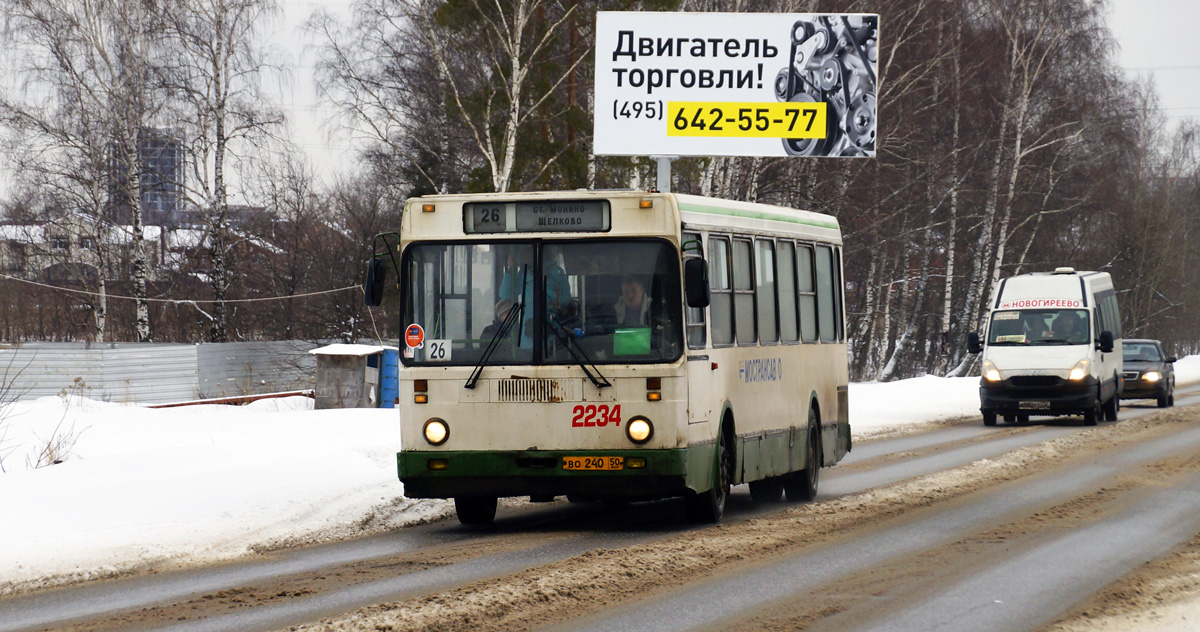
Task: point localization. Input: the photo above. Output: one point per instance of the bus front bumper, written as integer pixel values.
(665, 473)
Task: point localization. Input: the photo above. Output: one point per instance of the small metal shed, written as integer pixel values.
(348, 376)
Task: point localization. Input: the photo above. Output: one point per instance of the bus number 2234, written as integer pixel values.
(596, 416)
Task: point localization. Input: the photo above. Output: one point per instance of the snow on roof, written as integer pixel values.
(350, 350)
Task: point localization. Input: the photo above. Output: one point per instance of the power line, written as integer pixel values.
(177, 301)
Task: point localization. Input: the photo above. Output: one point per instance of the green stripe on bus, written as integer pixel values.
(716, 210)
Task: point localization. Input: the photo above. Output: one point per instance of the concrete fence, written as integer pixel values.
(152, 373)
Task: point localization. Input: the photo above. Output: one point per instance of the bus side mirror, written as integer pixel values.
(695, 282)
(1106, 342)
(973, 344)
(373, 286)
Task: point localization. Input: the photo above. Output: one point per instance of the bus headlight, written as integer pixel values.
(1152, 376)
(436, 431)
(639, 430)
(990, 372)
(1080, 370)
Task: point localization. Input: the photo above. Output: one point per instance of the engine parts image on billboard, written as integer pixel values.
(736, 84)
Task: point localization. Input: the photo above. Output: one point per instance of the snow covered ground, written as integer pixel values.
(140, 487)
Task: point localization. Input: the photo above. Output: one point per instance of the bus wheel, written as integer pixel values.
(768, 490)
(802, 486)
(709, 506)
(989, 417)
(474, 510)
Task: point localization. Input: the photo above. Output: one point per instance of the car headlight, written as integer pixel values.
(1080, 370)
(436, 431)
(639, 430)
(990, 372)
(1152, 376)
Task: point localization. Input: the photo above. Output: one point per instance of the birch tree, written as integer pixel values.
(93, 93)
(217, 67)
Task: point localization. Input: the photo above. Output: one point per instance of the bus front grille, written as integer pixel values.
(529, 390)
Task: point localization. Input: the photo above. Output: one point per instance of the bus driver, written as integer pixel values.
(633, 308)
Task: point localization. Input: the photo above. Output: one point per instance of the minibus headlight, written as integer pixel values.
(1152, 376)
(990, 372)
(436, 431)
(1080, 370)
(639, 430)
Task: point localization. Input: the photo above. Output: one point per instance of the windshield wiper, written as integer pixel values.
(577, 353)
(514, 315)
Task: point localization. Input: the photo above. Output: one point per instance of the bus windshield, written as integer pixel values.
(1039, 327)
(609, 301)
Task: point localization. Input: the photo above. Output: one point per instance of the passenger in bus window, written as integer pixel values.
(1035, 328)
(1070, 327)
(633, 308)
(558, 288)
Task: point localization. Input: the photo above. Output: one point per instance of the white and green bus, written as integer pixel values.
(615, 345)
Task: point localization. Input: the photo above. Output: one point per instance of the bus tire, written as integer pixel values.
(768, 490)
(802, 486)
(475, 510)
(708, 506)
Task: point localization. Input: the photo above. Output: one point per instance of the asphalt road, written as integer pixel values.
(1012, 551)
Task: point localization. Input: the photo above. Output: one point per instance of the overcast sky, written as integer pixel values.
(1157, 38)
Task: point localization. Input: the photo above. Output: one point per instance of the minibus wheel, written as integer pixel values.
(989, 417)
(1092, 415)
(1111, 407)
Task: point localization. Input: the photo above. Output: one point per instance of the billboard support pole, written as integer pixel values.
(664, 172)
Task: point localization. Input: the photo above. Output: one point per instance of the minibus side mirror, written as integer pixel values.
(1171, 359)
(973, 344)
(373, 286)
(695, 282)
(1106, 342)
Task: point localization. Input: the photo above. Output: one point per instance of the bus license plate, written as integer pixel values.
(1034, 406)
(603, 463)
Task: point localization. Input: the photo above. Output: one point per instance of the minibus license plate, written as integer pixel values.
(1035, 406)
(604, 463)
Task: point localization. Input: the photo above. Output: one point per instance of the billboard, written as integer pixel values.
(735, 84)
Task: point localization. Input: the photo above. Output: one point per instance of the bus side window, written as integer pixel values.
(788, 326)
(720, 308)
(743, 292)
(764, 287)
(697, 336)
(838, 305)
(825, 310)
(808, 296)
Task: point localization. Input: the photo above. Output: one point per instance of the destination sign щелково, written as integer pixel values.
(544, 216)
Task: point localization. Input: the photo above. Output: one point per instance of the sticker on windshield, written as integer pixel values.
(1007, 315)
(1012, 338)
(439, 351)
(414, 336)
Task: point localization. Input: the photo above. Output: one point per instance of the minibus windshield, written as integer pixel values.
(1039, 327)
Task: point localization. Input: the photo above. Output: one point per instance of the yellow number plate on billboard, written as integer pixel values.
(600, 463)
(793, 119)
